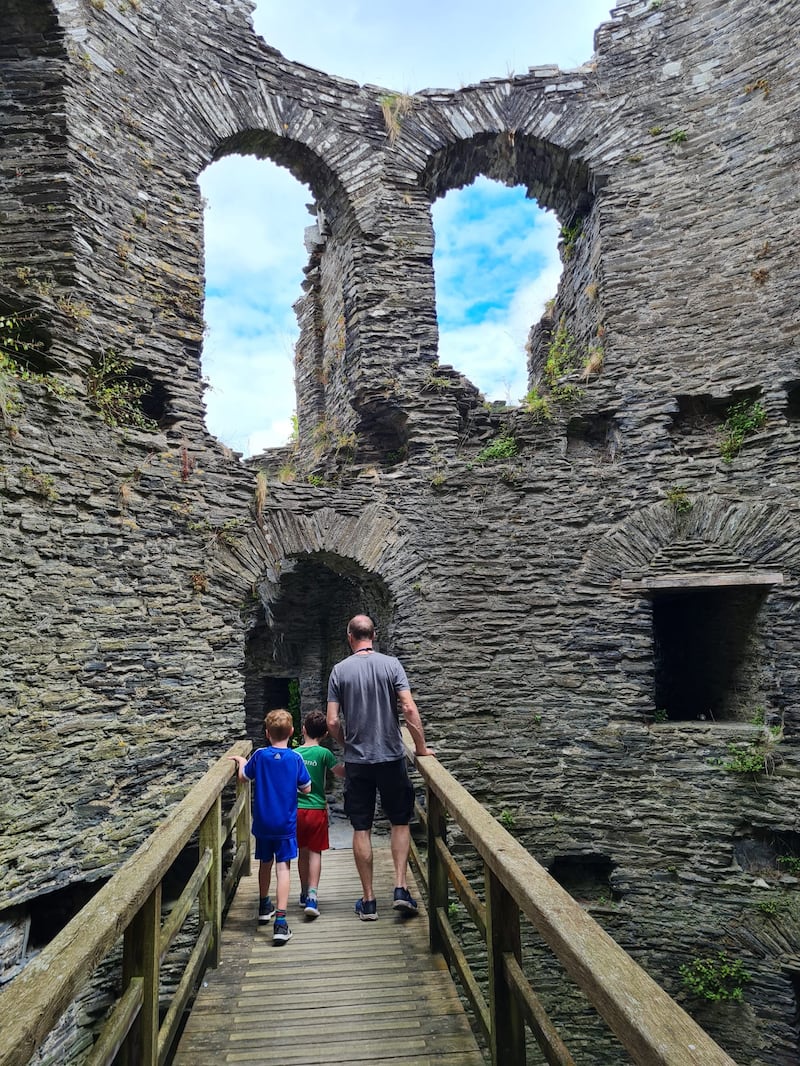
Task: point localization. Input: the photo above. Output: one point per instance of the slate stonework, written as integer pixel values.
(144, 601)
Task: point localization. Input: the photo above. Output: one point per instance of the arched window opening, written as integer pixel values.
(255, 216)
(496, 264)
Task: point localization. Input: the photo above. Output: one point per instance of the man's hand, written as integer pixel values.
(413, 723)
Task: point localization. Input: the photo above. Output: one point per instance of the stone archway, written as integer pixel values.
(702, 588)
(308, 575)
(295, 640)
(555, 177)
(726, 533)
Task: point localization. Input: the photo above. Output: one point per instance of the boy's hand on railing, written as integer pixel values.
(241, 762)
(425, 751)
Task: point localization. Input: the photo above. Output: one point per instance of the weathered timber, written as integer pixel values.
(649, 1024)
(381, 995)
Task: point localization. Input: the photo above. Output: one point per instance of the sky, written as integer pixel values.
(496, 260)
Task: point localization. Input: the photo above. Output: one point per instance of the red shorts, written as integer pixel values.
(312, 829)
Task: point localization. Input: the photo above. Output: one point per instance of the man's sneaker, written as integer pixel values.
(312, 905)
(281, 932)
(302, 900)
(266, 912)
(403, 901)
(367, 910)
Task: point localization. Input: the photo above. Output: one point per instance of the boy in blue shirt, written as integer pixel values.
(278, 774)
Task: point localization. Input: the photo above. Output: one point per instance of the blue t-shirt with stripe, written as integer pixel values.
(276, 773)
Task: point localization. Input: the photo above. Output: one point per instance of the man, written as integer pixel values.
(366, 690)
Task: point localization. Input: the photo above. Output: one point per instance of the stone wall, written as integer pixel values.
(540, 601)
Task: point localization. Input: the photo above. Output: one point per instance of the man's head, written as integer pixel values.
(360, 628)
(315, 725)
(279, 725)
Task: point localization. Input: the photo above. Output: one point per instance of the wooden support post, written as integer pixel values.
(437, 871)
(211, 892)
(243, 825)
(507, 1025)
(141, 959)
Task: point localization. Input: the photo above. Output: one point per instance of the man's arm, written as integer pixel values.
(304, 788)
(333, 723)
(413, 721)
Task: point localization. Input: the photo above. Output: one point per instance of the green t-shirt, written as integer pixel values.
(318, 761)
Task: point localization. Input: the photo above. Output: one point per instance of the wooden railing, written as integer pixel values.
(129, 904)
(653, 1028)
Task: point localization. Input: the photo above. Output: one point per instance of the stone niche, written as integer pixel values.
(157, 593)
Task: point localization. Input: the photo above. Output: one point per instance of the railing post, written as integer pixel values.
(211, 892)
(437, 872)
(507, 1035)
(243, 825)
(140, 958)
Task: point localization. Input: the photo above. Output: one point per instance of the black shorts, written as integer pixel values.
(364, 780)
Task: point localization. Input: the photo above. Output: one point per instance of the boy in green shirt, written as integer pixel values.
(312, 810)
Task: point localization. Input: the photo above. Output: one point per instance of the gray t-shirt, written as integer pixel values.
(365, 686)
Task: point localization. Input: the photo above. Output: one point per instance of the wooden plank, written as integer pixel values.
(350, 1051)
(382, 997)
(507, 1028)
(553, 1047)
(191, 975)
(420, 1056)
(459, 962)
(140, 958)
(346, 1032)
(177, 916)
(704, 579)
(117, 1025)
(293, 1013)
(211, 891)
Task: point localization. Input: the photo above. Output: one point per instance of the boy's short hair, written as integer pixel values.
(315, 724)
(279, 724)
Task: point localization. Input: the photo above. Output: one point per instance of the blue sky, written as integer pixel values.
(495, 265)
(495, 262)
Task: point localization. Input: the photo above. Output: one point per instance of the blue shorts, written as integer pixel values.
(281, 849)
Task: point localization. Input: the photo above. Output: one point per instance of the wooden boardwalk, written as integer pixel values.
(341, 991)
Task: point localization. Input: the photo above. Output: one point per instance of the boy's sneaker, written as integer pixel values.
(302, 900)
(312, 905)
(281, 932)
(403, 901)
(367, 910)
(266, 912)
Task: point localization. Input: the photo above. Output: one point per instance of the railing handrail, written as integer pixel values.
(654, 1029)
(34, 1001)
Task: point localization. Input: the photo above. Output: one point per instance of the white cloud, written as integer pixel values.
(496, 264)
(252, 388)
(427, 45)
(277, 433)
(254, 221)
(257, 213)
(492, 353)
(489, 356)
